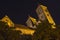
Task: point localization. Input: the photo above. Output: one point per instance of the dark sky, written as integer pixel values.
(18, 11)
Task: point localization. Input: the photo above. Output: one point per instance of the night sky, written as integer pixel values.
(18, 11)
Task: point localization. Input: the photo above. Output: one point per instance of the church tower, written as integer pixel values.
(44, 14)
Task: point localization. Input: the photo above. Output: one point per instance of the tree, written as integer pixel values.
(6, 33)
(44, 31)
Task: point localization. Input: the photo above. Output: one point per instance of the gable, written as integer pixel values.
(6, 19)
